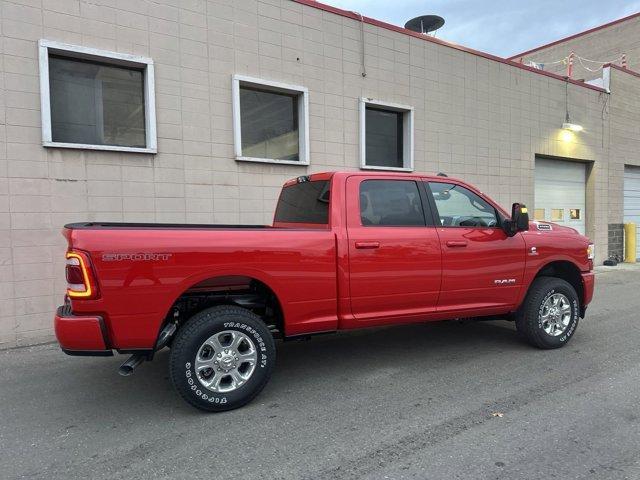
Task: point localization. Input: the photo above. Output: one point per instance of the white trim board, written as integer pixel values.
(407, 131)
(45, 47)
(303, 118)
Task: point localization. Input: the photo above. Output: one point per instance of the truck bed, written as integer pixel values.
(141, 274)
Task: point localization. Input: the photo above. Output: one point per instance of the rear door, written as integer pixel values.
(482, 268)
(394, 251)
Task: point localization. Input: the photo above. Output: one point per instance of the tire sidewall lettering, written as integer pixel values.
(574, 313)
(191, 336)
(257, 337)
(206, 396)
(544, 300)
(212, 397)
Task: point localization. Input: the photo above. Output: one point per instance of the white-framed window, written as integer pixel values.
(386, 136)
(270, 121)
(95, 99)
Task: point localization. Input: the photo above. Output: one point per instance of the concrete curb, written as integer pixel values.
(619, 267)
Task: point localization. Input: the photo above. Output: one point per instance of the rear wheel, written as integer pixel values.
(549, 315)
(222, 358)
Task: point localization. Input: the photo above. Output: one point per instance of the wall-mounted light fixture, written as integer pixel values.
(568, 125)
(574, 127)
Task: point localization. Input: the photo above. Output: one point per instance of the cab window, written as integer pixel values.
(460, 207)
(392, 203)
(305, 202)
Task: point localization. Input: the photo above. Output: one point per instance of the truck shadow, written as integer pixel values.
(357, 357)
(414, 346)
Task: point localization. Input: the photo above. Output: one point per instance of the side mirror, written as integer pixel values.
(519, 221)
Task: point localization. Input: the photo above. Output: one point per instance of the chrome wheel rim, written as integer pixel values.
(556, 314)
(225, 361)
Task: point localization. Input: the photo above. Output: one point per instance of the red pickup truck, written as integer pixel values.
(346, 250)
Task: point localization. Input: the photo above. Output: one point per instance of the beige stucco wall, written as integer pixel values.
(603, 45)
(474, 118)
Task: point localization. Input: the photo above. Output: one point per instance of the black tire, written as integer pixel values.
(528, 318)
(190, 339)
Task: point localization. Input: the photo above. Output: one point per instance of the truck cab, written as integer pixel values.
(428, 247)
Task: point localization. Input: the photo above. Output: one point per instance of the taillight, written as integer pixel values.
(80, 282)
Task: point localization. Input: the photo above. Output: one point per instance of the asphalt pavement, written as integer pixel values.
(434, 401)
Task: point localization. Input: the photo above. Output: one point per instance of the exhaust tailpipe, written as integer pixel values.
(130, 365)
(136, 359)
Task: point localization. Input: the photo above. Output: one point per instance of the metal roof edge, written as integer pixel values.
(622, 69)
(455, 46)
(576, 35)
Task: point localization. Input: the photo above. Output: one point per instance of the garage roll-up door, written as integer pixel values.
(632, 200)
(560, 192)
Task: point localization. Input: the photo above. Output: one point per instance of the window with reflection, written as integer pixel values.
(460, 207)
(269, 124)
(96, 103)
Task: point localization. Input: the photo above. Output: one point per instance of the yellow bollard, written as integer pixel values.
(630, 242)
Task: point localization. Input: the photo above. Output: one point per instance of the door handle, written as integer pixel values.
(367, 244)
(453, 243)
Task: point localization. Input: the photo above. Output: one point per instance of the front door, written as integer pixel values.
(394, 251)
(482, 268)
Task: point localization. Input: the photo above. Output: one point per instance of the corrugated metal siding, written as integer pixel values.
(560, 184)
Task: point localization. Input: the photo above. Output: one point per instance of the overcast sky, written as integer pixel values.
(500, 27)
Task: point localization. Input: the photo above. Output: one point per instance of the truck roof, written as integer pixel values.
(369, 173)
(383, 173)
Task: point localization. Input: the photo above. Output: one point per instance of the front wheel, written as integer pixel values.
(222, 358)
(549, 315)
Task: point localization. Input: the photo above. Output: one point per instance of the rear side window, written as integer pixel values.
(306, 202)
(390, 203)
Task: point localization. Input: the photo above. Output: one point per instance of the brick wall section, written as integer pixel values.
(616, 241)
(475, 118)
(602, 45)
